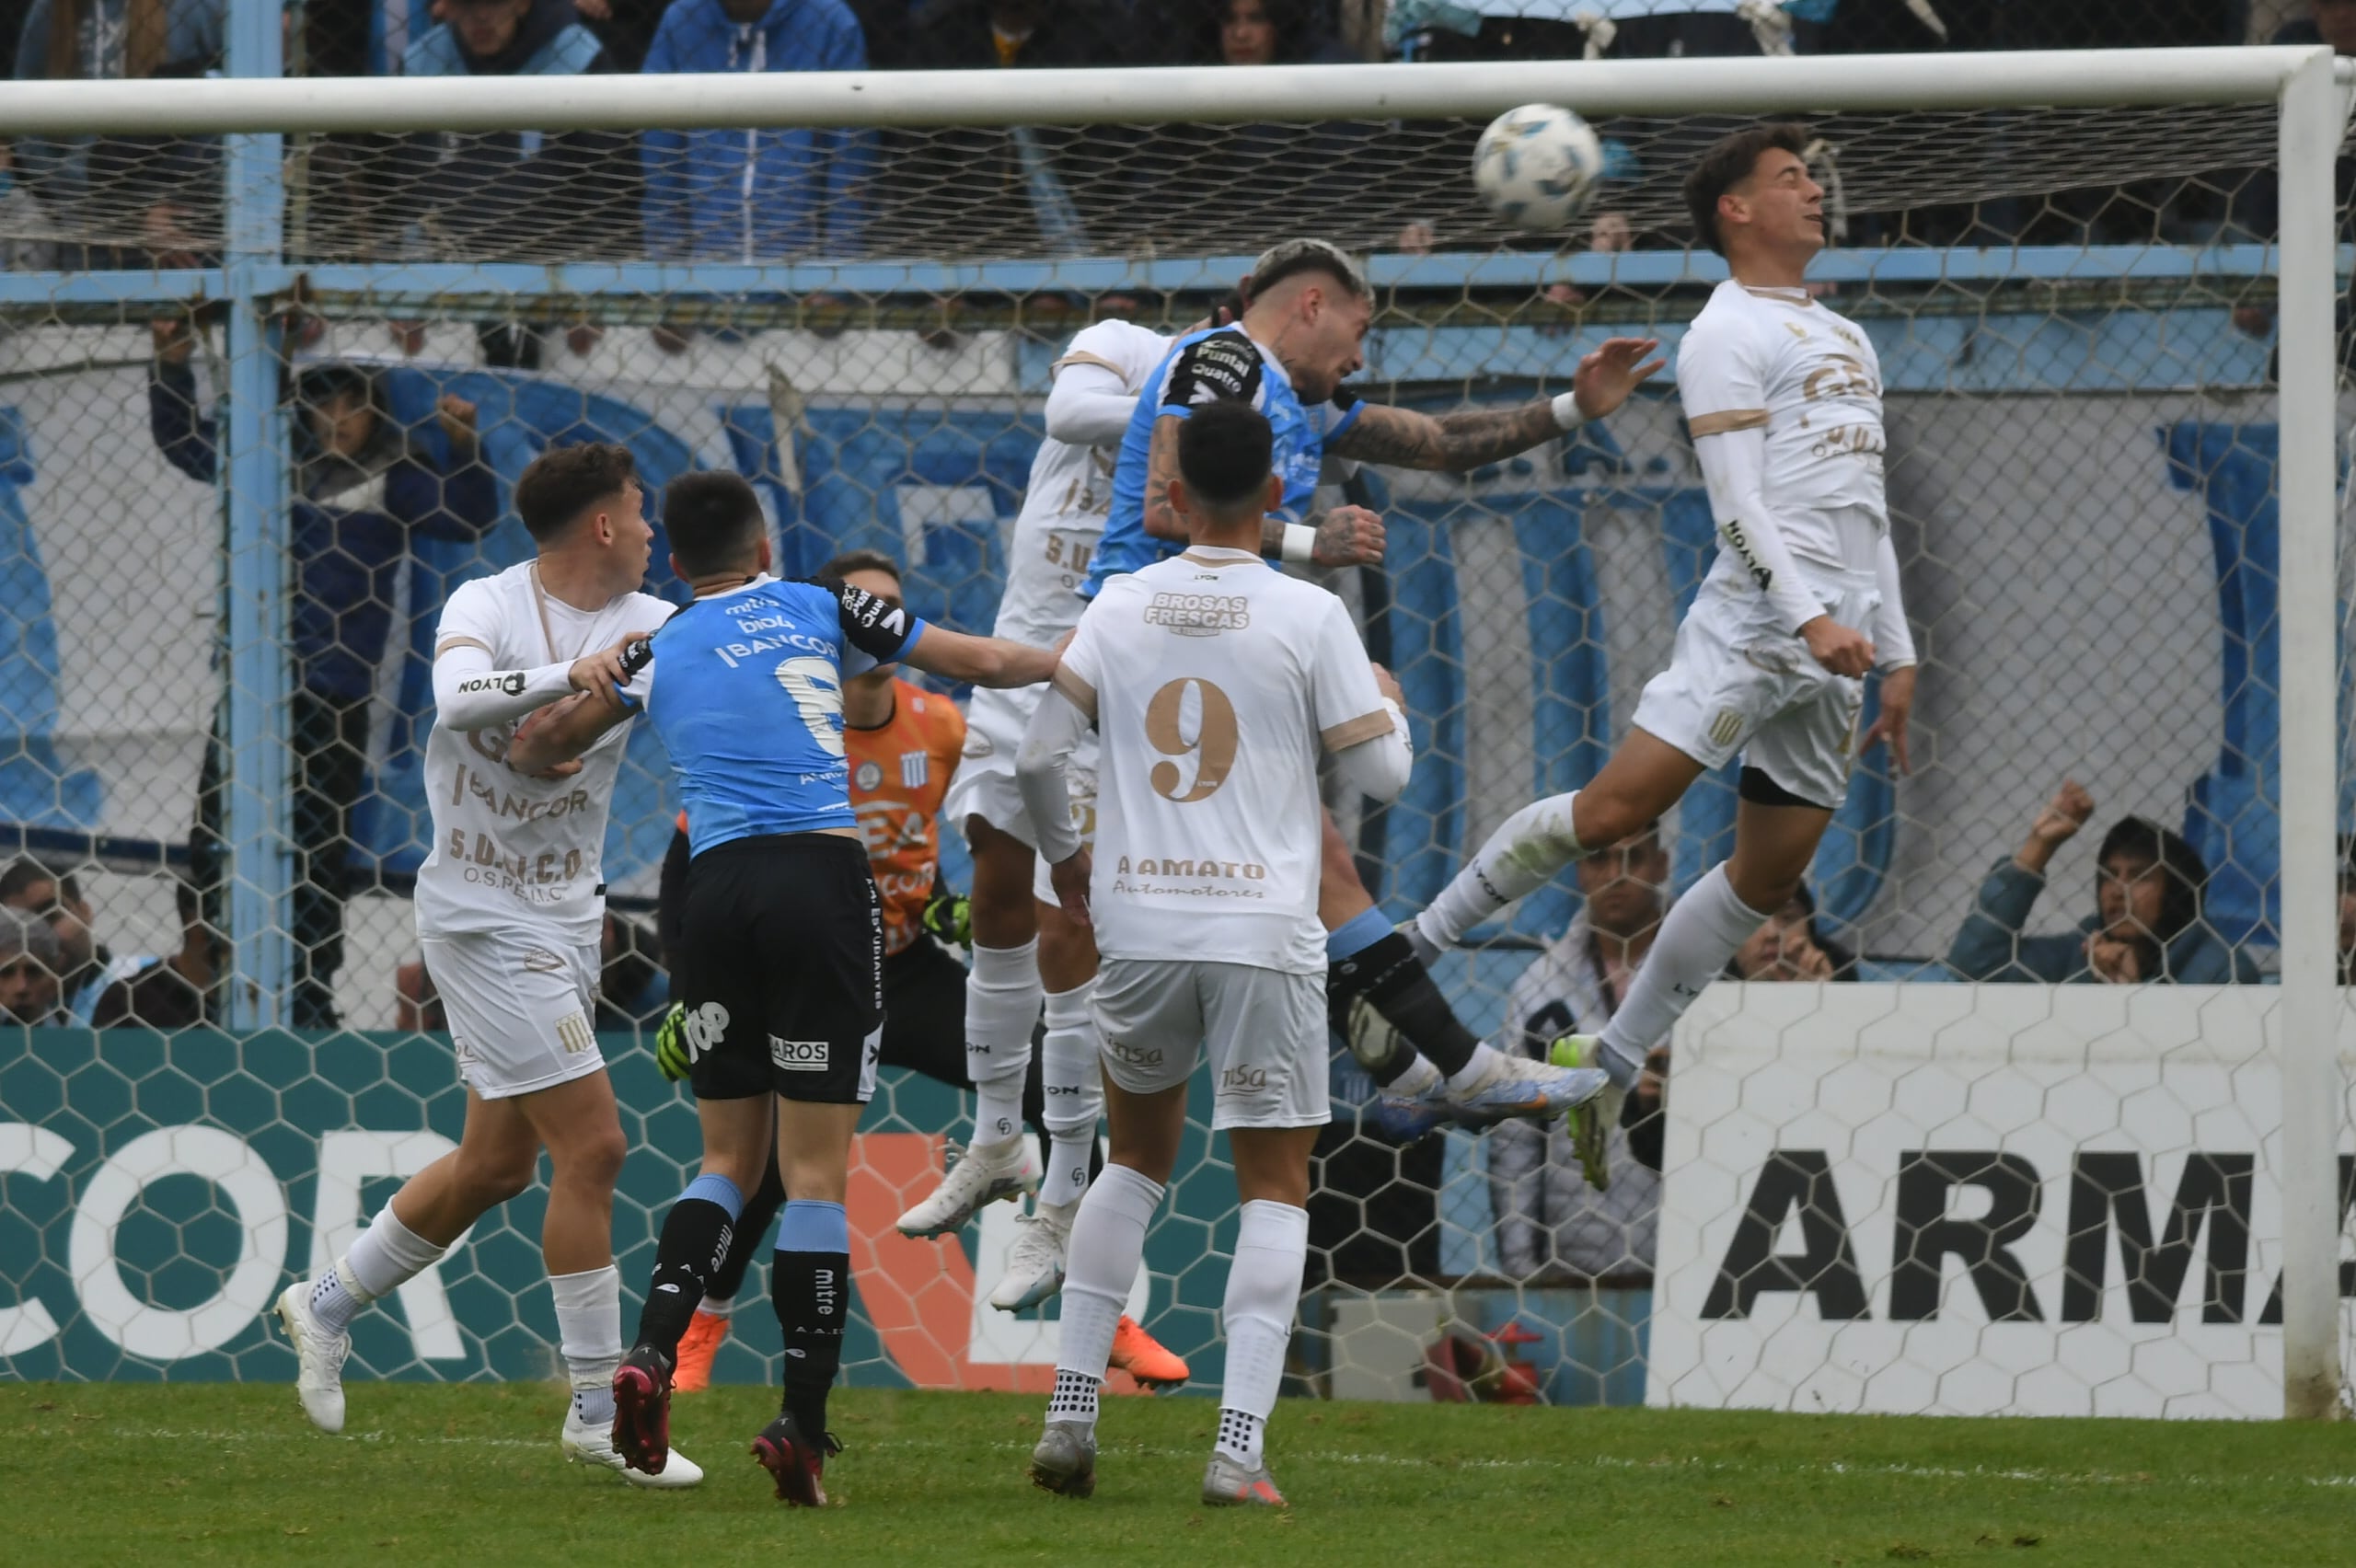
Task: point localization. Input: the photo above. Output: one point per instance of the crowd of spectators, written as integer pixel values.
(765, 195)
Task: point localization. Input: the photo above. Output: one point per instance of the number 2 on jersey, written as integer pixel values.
(815, 687)
(1213, 746)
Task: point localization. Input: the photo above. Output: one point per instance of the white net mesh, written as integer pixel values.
(1892, 1191)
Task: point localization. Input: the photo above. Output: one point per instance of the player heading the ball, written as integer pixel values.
(1783, 398)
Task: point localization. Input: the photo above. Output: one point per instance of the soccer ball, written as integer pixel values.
(1537, 165)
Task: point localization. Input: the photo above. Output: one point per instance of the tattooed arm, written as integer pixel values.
(1472, 437)
(1455, 443)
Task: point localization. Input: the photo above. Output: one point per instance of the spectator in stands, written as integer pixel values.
(361, 483)
(2147, 922)
(111, 40)
(1793, 945)
(29, 968)
(626, 27)
(755, 195)
(1182, 167)
(85, 968)
(2327, 21)
(516, 195)
(165, 993)
(1549, 1219)
(1024, 189)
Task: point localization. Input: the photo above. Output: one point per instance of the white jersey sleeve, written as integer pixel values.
(512, 852)
(1893, 638)
(1097, 382)
(1103, 369)
(1361, 728)
(1722, 381)
(471, 690)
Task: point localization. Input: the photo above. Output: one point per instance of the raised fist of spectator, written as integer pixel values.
(2063, 815)
(175, 344)
(457, 418)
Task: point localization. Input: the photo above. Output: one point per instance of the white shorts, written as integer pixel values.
(1263, 1030)
(1739, 683)
(985, 786)
(520, 1010)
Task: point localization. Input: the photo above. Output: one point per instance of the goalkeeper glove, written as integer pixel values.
(671, 1042)
(950, 916)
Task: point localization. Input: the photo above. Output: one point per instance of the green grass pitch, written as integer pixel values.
(138, 1474)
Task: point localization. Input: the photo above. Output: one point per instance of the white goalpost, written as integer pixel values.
(2037, 338)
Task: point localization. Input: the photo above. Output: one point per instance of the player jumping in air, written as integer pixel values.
(509, 906)
(780, 967)
(1783, 398)
(1213, 684)
(1307, 312)
(1022, 944)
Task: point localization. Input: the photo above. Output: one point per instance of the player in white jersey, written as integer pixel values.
(508, 907)
(1023, 949)
(1784, 399)
(1213, 682)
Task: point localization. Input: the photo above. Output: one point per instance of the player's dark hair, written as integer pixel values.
(566, 481)
(2141, 839)
(714, 521)
(849, 561)
(1729, 161)
(1295, 257)
(1225, 453)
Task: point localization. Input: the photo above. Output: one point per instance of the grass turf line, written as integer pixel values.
(471, 1473)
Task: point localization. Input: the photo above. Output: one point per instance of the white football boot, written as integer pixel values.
(319, 1354)
(584, 1444)
(987, 1173)
(1034, 1264)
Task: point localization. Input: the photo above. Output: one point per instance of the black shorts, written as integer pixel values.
(780, 969)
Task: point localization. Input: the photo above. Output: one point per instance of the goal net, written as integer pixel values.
(271, 362)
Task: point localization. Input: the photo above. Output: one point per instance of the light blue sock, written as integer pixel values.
(716, 1190)
(1356, 935)
(810, 1226)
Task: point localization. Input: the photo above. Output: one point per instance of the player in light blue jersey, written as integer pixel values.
(1306, 307)
(780, 968)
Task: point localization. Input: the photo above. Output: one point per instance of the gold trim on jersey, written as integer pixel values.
(1799, 297)
(1355, 731)
(1082, 694)
(1220, 560)
(1731, 420)
(1084, 357)
(540, 604)
(449, 642)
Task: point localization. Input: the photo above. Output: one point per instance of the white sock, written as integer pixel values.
(1421, 1078)
(1001, 1004)
(1074, 1082)
(1074, 1397)
(589, 1335)
(1477, 1070)
(1701, 932)
(1262, 1291)
(336, 1299)
(1522, 857)
(1107, 1246)
(717, 1305)
(1239, 1436)
(389, 1254)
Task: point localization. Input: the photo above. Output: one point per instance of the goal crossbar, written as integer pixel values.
(2093, 78)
